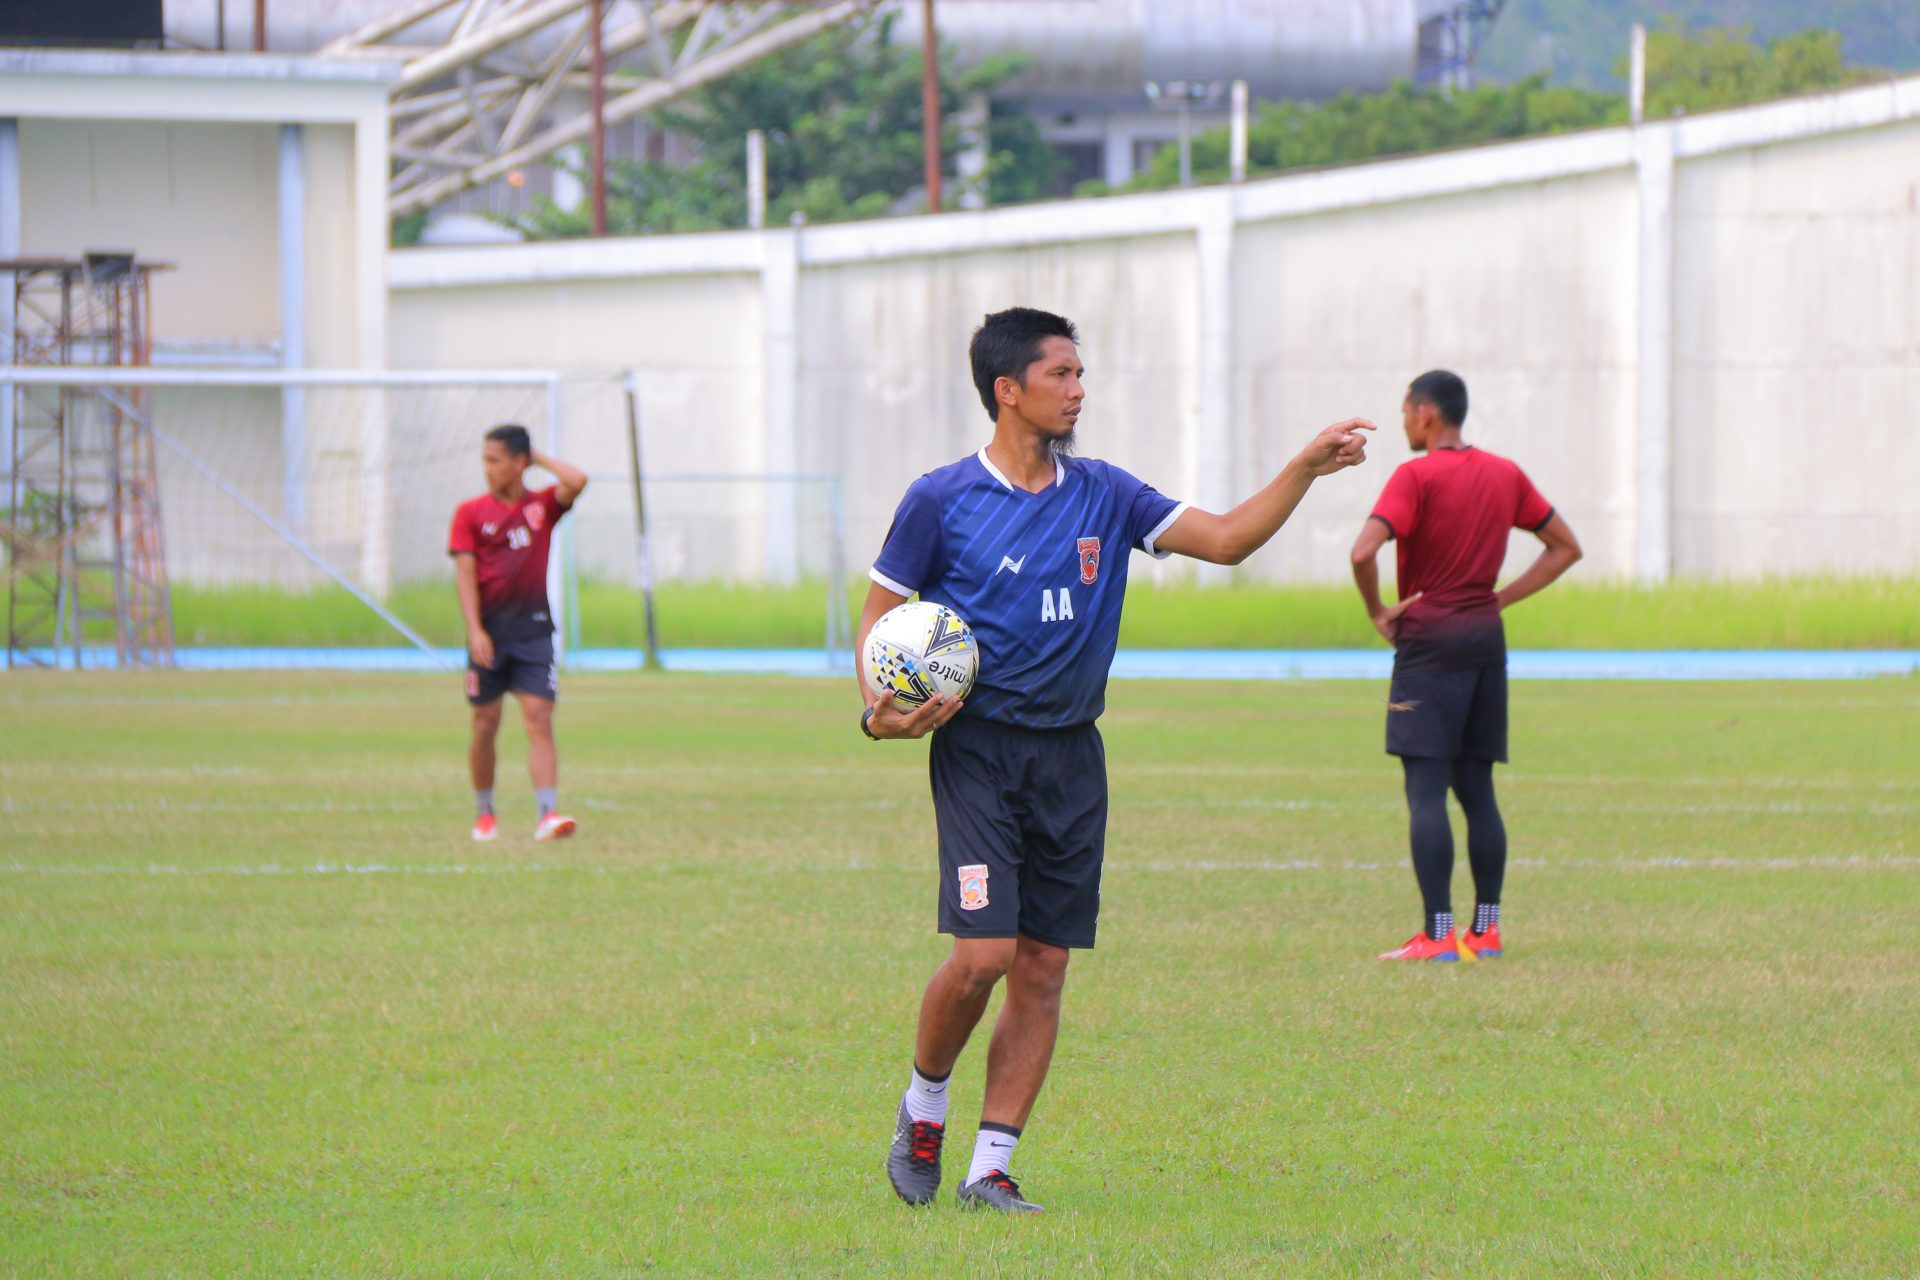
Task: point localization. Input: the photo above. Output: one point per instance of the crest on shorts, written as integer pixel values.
(1089, 559)
(536, 516)
(973, 887)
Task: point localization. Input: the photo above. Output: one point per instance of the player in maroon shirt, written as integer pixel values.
(1451, 511)
(499, 545)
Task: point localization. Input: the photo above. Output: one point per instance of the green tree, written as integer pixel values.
(1716, 67)
(842, 116)
(1724, 67)
(1579, 42)
(1403, 120)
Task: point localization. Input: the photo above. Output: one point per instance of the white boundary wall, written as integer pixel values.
(1701, 337)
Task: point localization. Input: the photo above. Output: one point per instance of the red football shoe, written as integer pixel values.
(1484, 946)
(1421, 947)
(485, 828)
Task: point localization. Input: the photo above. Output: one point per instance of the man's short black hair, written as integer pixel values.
(515, 437)
(1007, 342)
(1445, 391)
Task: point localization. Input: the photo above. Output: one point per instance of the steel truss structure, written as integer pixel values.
(1452, 33)
(82, 530)
(508, 86)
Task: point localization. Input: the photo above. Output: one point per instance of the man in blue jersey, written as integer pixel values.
(1029, 544)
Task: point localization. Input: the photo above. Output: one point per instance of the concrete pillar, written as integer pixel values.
(9, 248)
(560, 553)
(9, 189)
(756, 179)
(976, 150)
(1212, 440)
(370, 332)
(780, 411)
(1116, 160)
(1653, 433)
(293, 327)
(568, 191)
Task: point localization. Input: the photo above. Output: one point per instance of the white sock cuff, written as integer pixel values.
(927, 1099)
(992, 1153)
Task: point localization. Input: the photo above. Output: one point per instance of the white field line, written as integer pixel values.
(1840, 862)
(1771, 808)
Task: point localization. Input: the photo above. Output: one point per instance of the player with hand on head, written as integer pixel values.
(1029, 545)
(499, 544)
(1450, 512)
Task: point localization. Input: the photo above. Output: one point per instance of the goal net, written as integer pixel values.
(304, 516)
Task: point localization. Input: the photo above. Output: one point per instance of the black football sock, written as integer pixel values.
(1486, 834)
(1431, 837)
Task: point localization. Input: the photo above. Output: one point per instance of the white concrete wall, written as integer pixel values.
(1754, 413)
(176, 156)
(1797, 353)
(887, 393)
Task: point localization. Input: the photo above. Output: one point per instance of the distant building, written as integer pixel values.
(1105, 82)
(1105, 74)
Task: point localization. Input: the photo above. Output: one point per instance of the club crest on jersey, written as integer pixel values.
(536, 516)
(489, 529)
(973, 887)
(1089, 559)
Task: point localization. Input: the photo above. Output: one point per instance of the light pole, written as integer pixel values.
(930, 102)
(1181, 95)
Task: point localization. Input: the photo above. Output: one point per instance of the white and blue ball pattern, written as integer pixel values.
(919, 649)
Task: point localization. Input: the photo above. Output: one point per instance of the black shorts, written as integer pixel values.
(523, 666)
(1022, 817)
(1444, 715)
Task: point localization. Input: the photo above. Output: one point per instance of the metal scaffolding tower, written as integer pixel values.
(85, 556)
(506, 87)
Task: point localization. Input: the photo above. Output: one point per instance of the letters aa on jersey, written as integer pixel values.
(1040, 577)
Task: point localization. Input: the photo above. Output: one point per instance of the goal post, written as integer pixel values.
(305, 516)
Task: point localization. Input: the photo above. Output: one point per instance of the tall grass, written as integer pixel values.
(1786, 613)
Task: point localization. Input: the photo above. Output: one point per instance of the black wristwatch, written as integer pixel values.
(867, 728)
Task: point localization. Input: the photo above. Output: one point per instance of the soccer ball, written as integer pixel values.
(919, 649)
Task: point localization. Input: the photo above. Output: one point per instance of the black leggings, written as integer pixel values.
(1472, 783)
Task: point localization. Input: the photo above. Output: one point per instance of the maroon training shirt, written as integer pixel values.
(1450, 511)
(509, 548)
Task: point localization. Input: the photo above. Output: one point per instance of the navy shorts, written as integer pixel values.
(522, 666)
(1444, 715)
(1022, 816)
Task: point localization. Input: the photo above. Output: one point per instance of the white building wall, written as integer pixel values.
(1792, 348)
(1797, 334)
(1519, 289)
(887, 394)
(693, 344)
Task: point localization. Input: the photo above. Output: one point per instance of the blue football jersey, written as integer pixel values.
(1040, 577)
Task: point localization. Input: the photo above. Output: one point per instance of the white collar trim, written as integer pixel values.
(1059, 471)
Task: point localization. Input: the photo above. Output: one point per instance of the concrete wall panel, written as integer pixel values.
(887, 392)
(200, 195)
(1797, 357)
(1526, 292)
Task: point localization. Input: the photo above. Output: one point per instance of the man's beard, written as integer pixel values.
(1062, 446)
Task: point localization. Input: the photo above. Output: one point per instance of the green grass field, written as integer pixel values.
(266, 1011)
(1788, 613)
